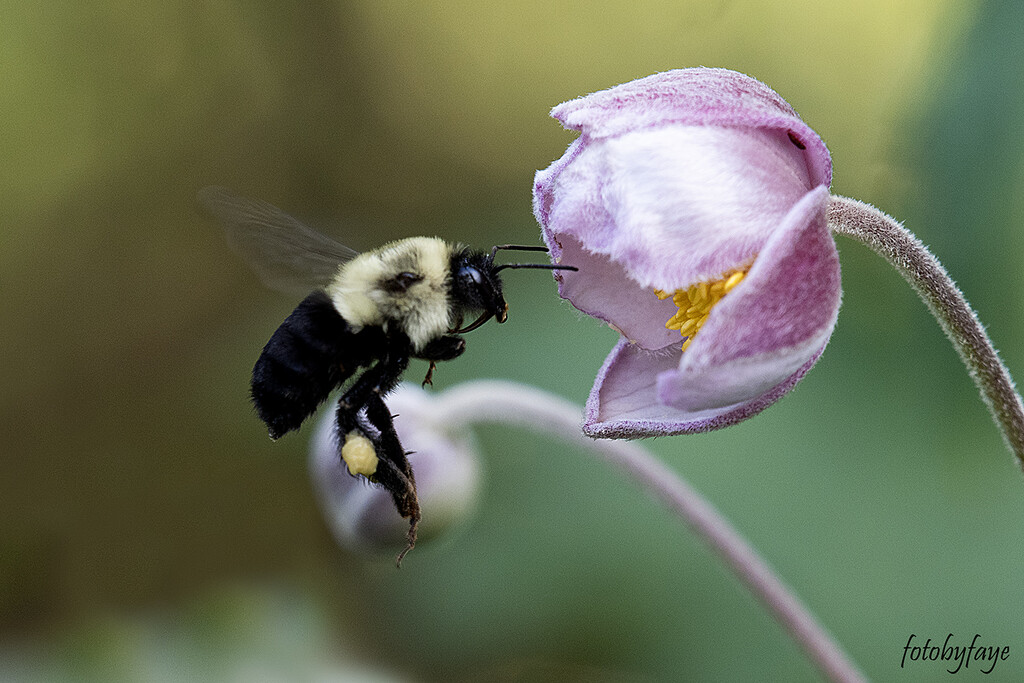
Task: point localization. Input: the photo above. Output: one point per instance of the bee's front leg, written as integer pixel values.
(447, 347)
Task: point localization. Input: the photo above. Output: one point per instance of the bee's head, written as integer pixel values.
(476, 284)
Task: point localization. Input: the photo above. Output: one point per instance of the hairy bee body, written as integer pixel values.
(382, 308)
(310, 355)
(367, 316)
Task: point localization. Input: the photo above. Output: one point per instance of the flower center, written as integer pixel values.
(696, 302)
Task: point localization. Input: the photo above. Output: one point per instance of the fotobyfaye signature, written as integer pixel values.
(953, 653)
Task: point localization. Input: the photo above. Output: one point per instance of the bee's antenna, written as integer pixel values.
(516, 247)
(526, 247)
(545, 266)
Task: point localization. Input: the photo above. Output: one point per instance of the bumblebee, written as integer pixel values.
(368, 314)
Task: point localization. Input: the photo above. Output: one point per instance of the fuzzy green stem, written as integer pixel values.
(889, 239)
(524, 406)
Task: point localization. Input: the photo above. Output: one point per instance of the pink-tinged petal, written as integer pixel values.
(602, 289)
(625, 389)
(709, 197)
(768, 327)
(699, 97)
(543, 182)
(624, 405)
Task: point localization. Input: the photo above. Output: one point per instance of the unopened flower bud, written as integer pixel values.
(362, 515)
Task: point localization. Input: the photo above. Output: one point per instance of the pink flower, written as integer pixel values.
(693, 204)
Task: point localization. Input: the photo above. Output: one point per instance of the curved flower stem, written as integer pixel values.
(889, 239)
(523, 406)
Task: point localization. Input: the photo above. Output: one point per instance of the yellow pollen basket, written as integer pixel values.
(696, 302)
(359, 454)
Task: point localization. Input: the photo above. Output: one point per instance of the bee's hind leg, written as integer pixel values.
(394, 472)
(375, 382)
(388, 444)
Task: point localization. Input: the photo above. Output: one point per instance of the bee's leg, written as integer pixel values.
(388, 444)
(378, 380)
(346, 420)
(373, 382)
(429, 379)
(448, 347)
(394, 471)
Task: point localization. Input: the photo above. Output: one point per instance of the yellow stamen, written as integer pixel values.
(733, 280)
(695, 295)
(696, 301)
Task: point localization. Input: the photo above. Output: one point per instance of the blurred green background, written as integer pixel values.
(149, 530)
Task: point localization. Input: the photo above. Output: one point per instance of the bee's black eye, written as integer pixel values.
(472, 275)
(400, 282)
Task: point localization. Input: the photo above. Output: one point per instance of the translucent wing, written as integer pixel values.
(286, 255)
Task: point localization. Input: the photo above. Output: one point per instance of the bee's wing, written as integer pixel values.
(286, 255)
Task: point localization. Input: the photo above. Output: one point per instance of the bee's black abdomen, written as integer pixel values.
(301, 364)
